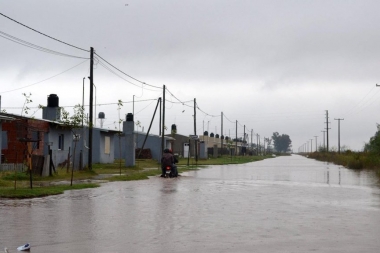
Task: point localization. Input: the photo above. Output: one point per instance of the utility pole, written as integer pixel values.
(195, 130)
(91, 109)
(311, 145)
(221, 135)
(316, 138)
(327, 130)
(159, 121)
(251, 140)
(163, 121)
(339, 134)
(243, 144)
(236, 140)
(257, 144)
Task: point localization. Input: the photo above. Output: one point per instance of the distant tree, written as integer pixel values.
(282, 143)
(373, 145)
(321, 148)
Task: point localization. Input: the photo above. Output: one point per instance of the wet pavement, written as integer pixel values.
(284, 204)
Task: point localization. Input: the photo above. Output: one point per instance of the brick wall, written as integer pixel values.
(23, 128)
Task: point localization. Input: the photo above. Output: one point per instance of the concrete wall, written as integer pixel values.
(129, 144)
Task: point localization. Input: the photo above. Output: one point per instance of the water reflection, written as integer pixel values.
(285, 204)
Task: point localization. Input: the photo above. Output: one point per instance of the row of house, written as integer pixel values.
(47, 141)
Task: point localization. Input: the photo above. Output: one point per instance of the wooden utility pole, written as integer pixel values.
(163, 122)
(311, 145)
(195, 130)
(91, 109)
(257, 144)
(221, 135)
(244, 140)
(251, 140)
(159, 121)
(339, 134)
(327, 129)
(236, 140)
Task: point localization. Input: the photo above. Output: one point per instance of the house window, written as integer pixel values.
(107, 145)
(60, 142)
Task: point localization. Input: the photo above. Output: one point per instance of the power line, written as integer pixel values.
(36, 47)
(44, 79)
(69, 106)
(43, 33)
(126, 73)
(175, 96)
(146, 106)
(206, 112)
(113, 72)
(224, 115)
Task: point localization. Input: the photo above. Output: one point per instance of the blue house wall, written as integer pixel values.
(153, 143)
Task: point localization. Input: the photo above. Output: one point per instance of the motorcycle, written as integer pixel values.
(168, 171)
(171, 171)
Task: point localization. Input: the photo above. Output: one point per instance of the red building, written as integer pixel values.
(21, 137)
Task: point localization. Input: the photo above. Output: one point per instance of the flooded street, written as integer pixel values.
(285, 204)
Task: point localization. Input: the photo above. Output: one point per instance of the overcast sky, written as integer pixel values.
(273, 66)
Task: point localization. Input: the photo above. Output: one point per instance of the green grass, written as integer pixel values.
(20, 193)
(351, 160)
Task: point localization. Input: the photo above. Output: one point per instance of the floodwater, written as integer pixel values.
(285, 204)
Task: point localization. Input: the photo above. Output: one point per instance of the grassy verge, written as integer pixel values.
(117, 171)
(10, 192)
(351, 160)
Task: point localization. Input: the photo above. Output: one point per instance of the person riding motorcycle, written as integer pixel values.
(168, 160)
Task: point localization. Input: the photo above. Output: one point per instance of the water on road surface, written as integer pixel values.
(284, 204)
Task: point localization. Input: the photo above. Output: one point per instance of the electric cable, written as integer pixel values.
(42, 33)
(145, 107)
(110, 70)
(69, 106)
(224, 115)
(113, 72)
(36, 47)
(1, 92)
(126, 73)
(206, 112)
(174, 96)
